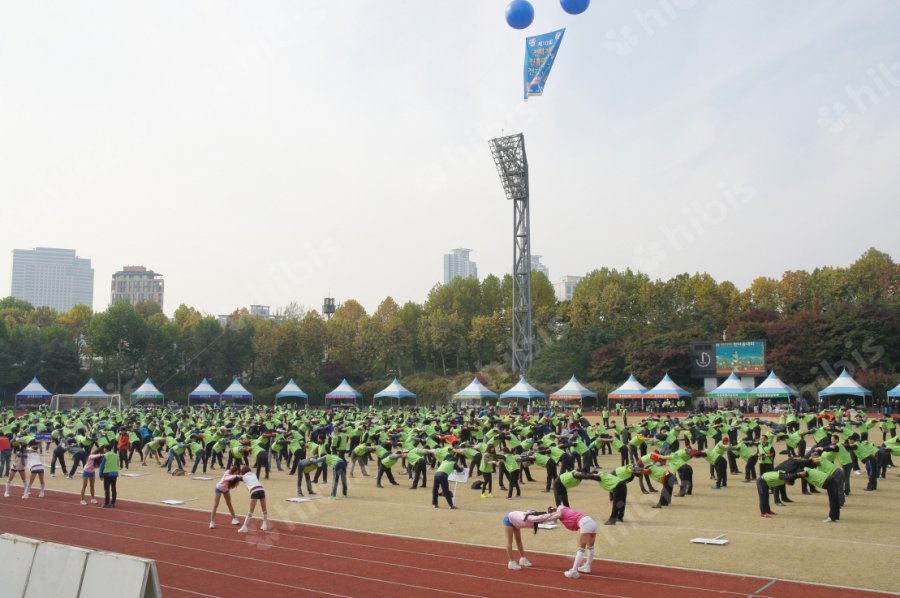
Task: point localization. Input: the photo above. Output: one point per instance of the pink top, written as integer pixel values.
(518, 518)
(92, 462)
(222, 485)
(569, 517)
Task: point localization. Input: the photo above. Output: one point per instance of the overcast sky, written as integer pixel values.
(269, 152)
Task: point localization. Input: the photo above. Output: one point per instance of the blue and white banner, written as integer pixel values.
(540, 52)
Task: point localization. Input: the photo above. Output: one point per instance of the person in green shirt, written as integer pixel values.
(109, 472)
(441, 482)
(769, 481)
(486, 467)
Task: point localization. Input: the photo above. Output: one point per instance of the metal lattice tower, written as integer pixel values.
(512, 164)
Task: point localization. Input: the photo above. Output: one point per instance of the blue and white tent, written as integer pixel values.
(523, 390)
(894, 392)
(631, 389)
(475, 391)
(236, 392)
(91, 389)
(291, 391)
(343, 394)
(845, 386)
(773, 388)
(573, 391)
(667, 389)
(731, 389)
(146, 392)
(395, 390)
(203, 392)
(34, 394)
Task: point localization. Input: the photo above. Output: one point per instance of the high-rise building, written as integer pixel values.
(458, 265)
(565, 288)
(261, 311)
(56, 278)
(537, 266)
(136, 284)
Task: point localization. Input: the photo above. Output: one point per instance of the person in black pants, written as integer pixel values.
(721, 465)
(79, 456)
(59, 454)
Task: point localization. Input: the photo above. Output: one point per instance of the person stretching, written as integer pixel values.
(514, 522)
(575, 521)
(257, 493)
(230, 479)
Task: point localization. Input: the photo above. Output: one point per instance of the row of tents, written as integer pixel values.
(732, 388)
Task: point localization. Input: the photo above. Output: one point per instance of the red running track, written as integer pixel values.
(306, 560)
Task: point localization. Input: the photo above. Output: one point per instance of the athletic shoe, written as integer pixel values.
(767, 515)
(771, 513)
(83, 503)
(453, 507)
(857, 472)
(41, 494)
(584, 568)
(514, 566)
(243, 530)
(484, 495)
(6, 494)
(524, 562)
(212, 525)
(787, 500)
(26, 496)
(610, 522)
(572, 574)
(93, 501)
(829, 520)
(235, 521)
(264, 527)
(105, 506)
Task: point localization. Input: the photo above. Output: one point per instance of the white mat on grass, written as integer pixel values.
(718, 540)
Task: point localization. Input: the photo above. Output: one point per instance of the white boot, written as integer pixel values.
(589, 558)
(579, 558)
(245, 528)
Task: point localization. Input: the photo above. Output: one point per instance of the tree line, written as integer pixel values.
(618, 322)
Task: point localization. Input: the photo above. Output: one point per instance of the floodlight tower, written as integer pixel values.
(328, 307)
(512, 165)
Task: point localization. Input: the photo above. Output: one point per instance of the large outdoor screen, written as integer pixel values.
(741, 357)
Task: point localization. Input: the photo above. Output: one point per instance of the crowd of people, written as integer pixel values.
(822, 449)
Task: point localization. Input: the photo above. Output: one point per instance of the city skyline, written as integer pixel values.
(52, 277)
(710, 137)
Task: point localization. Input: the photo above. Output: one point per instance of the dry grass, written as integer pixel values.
(859, 551)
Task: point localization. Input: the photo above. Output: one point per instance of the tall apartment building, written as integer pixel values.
(55, 278)
(136, 284)
(565, 288)
(537, 266)
(458, 265)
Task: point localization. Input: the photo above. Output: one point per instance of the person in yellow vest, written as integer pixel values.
(441, 482)
(819, 478)
(109, 473)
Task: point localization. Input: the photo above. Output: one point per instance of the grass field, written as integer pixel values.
(859, 551)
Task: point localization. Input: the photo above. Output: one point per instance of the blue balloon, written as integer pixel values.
(575, 7)
(519, 14)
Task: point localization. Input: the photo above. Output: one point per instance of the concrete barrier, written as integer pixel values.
(17, 554)
(56, 571)
(36, 569)
(132, 577)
